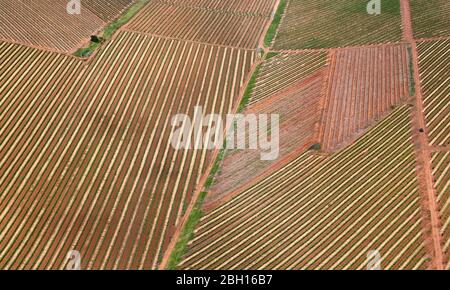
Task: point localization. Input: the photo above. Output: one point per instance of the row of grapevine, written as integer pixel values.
(200, 25)
(298, 111)
(106, 9)
(434, 71)
(86, 161)
(324, 212)
(441, 173)
(247, 8)
(284, 70)
(323, 23)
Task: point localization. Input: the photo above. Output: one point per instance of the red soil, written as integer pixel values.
(432, 223)
(364, 85)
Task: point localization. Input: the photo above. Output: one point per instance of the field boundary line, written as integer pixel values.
(431, 216)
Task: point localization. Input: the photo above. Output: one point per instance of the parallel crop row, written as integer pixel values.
(434, 71)
(46, 24)
(324, 213)
(284, 70)
(364, 84)
(253, 7)
(441, 173)
(298, 110)
(430, 18)
(200, 25)
(86, 161)
(324, 23)
(107, 9)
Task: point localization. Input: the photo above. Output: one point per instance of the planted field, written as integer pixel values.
(254, 7)
(89, 166)
(430, 18)
(107, 9)
(298, 110)
(363, 86)
(284, 70)
(200, 25)
(441, 173)
(323, 23)
(46, 24)
(434, 70)
(324, 213)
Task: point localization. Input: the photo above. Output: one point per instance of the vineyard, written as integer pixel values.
(249, 8)
(441, 173)
(363, 86)
(46, 24)
(323, 212)
(321, 23)
(200, 25)
(284, 70)
(430, 18)
(434, 76)
(107, 10)
(86, 161)
(298, 110)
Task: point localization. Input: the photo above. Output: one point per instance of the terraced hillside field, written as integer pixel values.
(107, 9)
(284, 70)
(46, 24)
(253, 7)
(430, 18)
(441, 173)
(200, 25)
(85, 158)
(434, 69)
(363, 86)
(324, 23)
(324, 213)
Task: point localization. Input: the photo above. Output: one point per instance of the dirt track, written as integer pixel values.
(424, 172)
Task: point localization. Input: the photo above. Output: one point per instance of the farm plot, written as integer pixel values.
(107, 9)
(430, 18)
(254, 7)
(441, 173)
(324, 213)
(90, 167)
(434, 70)
(298, 110)
(283, 71)
(46, 24)
(200, 25)
(363, 86)
(323, 23)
